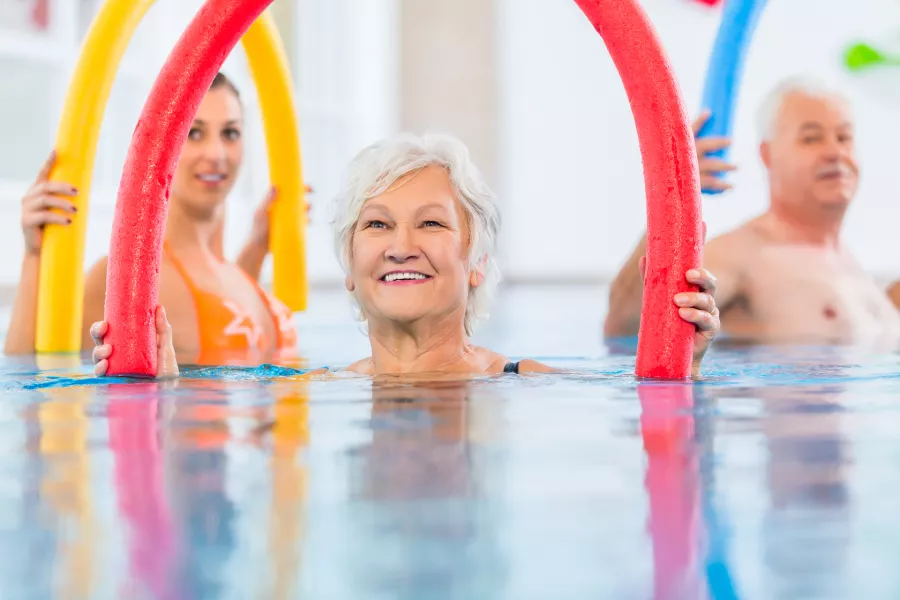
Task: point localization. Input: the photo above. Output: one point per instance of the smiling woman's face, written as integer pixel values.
(211, 157)
(409, 252)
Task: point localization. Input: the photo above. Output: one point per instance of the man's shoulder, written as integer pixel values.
(736, 242)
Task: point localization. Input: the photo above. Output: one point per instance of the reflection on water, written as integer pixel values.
(807, 527)
(138, 475)
(774, 478)
(65, 482)
(289, 435)
(672, 484)
(423, 510)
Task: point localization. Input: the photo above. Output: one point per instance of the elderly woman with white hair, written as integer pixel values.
(415, 230)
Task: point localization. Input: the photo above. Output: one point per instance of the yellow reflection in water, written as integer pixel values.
(290, 433)
(66, 480)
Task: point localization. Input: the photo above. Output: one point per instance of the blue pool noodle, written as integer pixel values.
(726, 66)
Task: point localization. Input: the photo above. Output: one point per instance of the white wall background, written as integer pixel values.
(569, 165)
(571, 174)
(348, 82)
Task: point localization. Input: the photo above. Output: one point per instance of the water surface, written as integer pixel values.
(776, 477)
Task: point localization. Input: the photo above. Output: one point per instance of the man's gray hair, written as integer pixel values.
(769, 111)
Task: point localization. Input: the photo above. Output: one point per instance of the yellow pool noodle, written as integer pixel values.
(61, 281)
(271, 73)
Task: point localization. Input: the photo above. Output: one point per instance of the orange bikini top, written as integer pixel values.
(227, 330)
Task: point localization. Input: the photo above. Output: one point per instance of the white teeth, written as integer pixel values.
(405, 275)
(211, 178)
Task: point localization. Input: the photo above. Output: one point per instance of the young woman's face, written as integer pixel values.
(212, 155)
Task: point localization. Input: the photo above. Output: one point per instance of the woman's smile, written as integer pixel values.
(404, 278)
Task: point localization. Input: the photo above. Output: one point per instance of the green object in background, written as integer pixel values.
(862, 56)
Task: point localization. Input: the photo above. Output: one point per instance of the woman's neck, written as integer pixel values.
(185, 232)
(419, 348)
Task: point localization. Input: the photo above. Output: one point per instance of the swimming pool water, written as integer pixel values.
(775, 478)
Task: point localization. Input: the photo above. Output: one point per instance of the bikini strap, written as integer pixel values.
(179, 267)
(259, 290)
(269, 301)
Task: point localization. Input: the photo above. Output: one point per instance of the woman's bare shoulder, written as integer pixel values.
(532, 366)
(498, 363)
(361, 367)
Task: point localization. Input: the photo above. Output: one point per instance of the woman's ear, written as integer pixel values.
(348, 283)
(477, 276)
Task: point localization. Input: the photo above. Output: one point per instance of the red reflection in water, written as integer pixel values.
(673, 487)
(140, 484)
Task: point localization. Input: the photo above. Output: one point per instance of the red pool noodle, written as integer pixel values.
(671, 182)
(135, 251)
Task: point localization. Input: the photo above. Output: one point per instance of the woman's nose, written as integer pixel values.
(403, 247)
(214, 150)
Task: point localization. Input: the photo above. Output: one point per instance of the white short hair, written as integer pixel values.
(378, 166)
(769, 111)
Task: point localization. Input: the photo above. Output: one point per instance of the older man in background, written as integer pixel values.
(785, 276)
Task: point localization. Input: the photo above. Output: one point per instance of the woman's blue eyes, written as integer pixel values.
(382, 225)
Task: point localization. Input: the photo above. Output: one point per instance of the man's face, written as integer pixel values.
(811, 156)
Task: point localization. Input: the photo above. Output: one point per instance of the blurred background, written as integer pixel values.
(527, 84)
